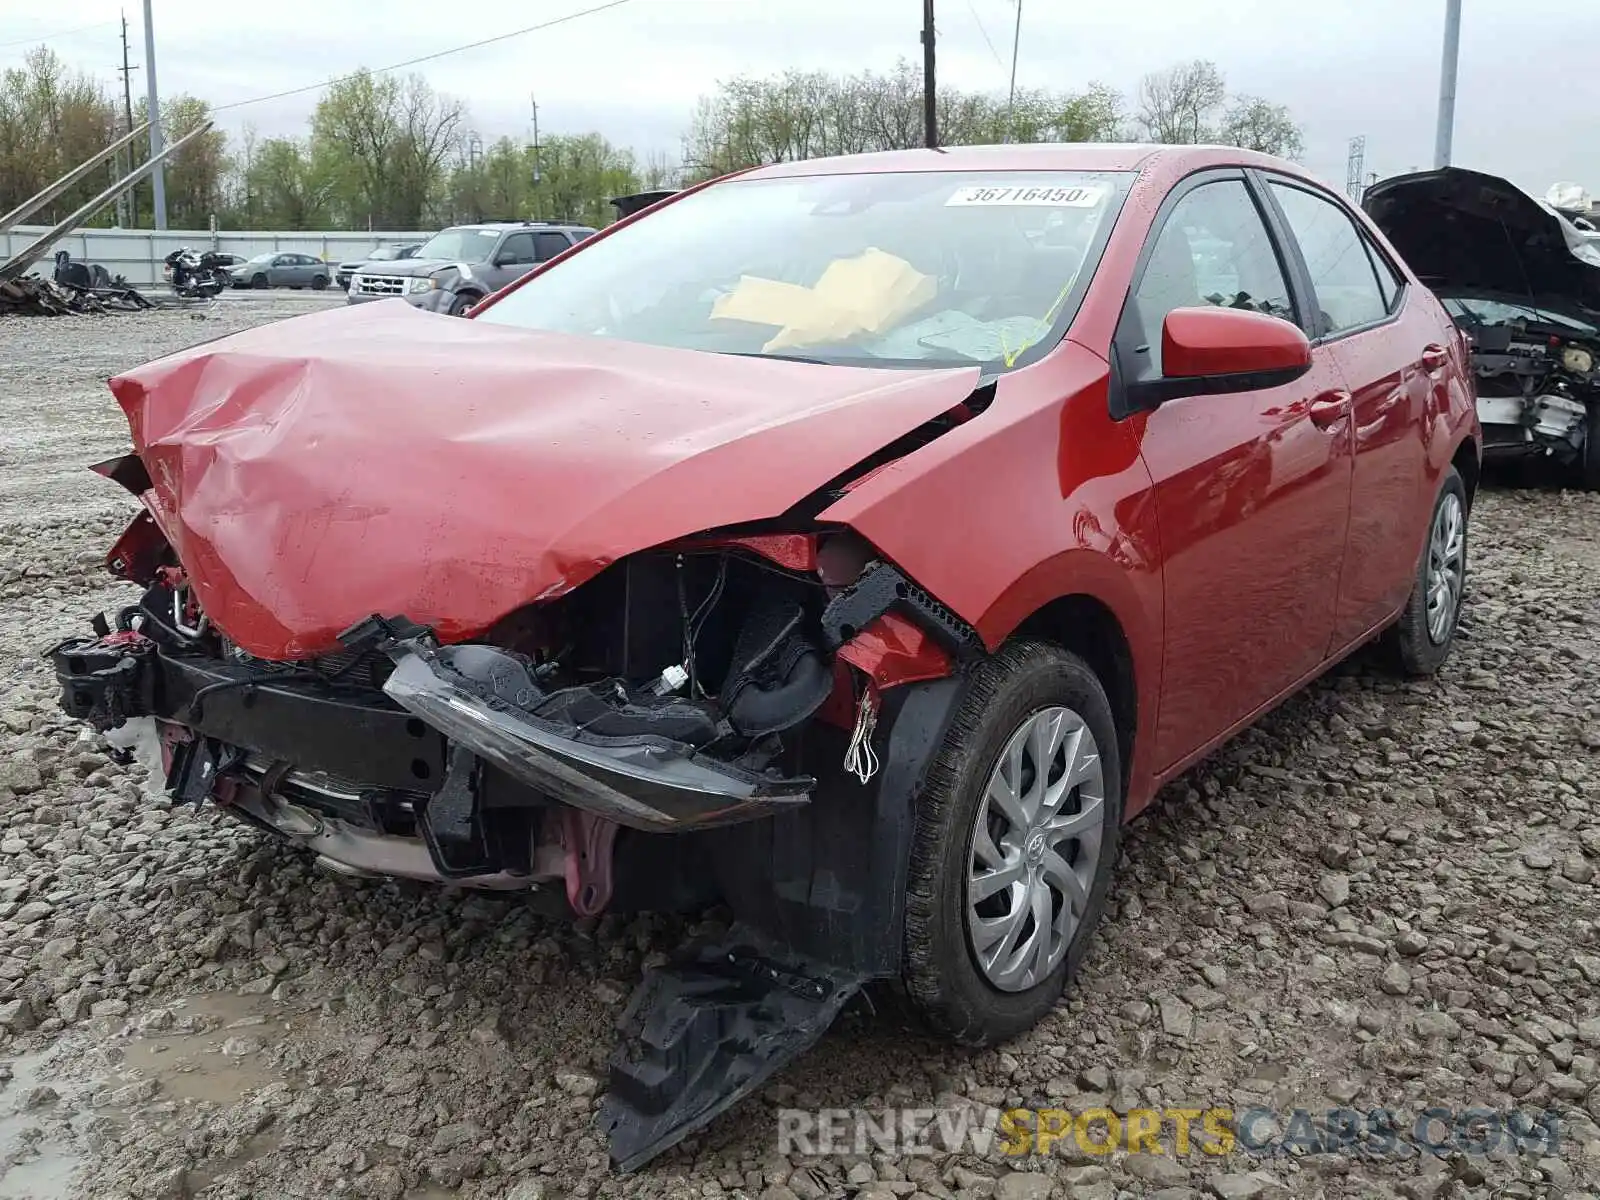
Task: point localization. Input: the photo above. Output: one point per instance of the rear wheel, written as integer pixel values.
(1016, 835)
(319, 283)
(1420, 641)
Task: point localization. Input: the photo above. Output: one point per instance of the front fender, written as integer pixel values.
(1040, 496)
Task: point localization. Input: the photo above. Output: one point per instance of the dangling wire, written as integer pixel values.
(860, 759)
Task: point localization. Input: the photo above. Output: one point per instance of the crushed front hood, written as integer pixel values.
(1466, 231)
(378, 459)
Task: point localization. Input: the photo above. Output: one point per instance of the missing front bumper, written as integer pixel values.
(648, 782)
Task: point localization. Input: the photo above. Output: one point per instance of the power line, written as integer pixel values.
(411, 62)
(999, 62)
(50, 37)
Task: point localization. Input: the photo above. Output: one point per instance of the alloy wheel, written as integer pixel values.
(1035, 848)
(1447, 543)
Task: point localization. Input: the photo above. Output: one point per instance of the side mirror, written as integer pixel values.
(1207, 351)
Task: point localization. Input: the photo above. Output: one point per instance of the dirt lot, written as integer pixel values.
(1385, 897)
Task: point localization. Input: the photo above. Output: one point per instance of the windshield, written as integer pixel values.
(916, 268)
(263, 258)
(383, 254)
(462, 245)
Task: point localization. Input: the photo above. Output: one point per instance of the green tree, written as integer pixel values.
(385, 143)
(195, 177)
(50, 121)
(288, 189)
(578, 176)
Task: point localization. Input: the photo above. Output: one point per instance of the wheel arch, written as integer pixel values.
(1086, 626)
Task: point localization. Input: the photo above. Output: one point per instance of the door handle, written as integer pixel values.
(1329, 407)
(1434, 357)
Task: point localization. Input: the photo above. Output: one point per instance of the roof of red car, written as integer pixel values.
(1030, 156)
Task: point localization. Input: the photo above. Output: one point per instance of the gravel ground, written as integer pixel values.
(1383, 896)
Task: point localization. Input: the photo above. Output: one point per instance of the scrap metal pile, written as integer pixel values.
(77, 287)
(36, 296)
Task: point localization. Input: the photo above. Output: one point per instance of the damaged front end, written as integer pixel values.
(1521, 280)
(736, 719)
(592, 640)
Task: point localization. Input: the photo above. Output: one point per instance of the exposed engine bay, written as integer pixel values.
(1536, 377)
(670, 693)
(1521, 279)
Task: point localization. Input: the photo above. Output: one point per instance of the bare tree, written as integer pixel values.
(1257, 124)
(1176, 105)
(431, 128)
(746, 122)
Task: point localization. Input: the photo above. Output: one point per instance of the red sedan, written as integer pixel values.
(856, 543)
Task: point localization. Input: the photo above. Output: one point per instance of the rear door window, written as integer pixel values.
(517, 248)
(1343, 276)
(550, 245)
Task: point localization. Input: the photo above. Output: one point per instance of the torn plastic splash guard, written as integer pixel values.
(700, 1035)
(647, 782)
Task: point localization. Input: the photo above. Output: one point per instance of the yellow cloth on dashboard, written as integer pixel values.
(869, 293)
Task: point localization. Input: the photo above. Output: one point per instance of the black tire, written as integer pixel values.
(1590, 461)
(459, 306)
(258, 281)
(941, 975)
(1413, 648)
(319, 283)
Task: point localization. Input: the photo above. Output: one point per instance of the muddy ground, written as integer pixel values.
(1384, 897)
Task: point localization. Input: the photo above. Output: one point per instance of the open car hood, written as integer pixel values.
(378, 459)
(1466, 231)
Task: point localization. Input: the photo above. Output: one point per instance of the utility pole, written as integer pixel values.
(1011, 96)
(158, 179)
(536, 213)
(1447, 84)
(930, 110)
(125, 201)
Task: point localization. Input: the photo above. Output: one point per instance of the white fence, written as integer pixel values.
(138, 253)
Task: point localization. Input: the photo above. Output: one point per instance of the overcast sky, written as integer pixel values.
(1528, 91)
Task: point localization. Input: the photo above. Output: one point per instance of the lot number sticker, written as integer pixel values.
(1044, 197)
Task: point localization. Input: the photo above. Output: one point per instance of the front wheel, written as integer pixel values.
(259, 281)
(460, 305)
(1015, 839)
(1420, 641)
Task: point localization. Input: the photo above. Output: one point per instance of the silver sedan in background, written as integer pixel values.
(282, 269)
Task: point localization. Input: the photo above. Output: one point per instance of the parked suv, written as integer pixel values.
(459, 266)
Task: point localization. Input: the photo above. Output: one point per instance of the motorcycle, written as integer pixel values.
(198, 276)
